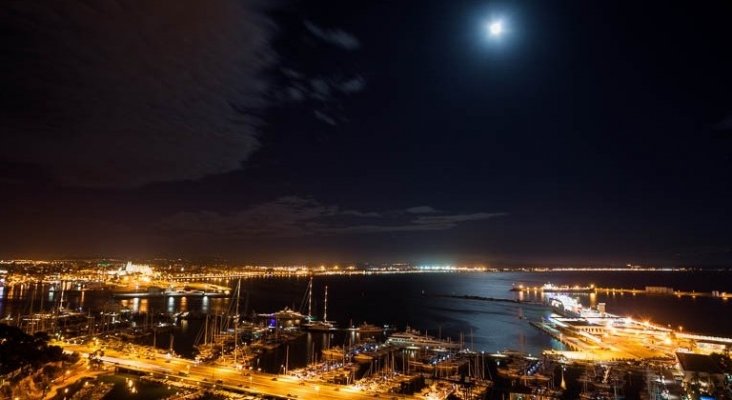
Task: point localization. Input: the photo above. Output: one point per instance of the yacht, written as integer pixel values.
(413, 338)
(366, 328)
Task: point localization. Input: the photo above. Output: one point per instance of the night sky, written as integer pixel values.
(588, 132)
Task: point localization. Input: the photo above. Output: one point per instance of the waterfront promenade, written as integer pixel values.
(216, 376)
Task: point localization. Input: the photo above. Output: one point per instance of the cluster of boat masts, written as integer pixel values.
(309, 322)
(222, 334)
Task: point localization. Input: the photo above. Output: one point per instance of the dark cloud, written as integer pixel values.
(324, 94)
(108, 93)
(325, 118)
(421, 210)
(453, 220)
(725, 124)
(296, 216)
(320, 89)
(317, 85)
(421, 223)
(335, 37)
(366, 214)
(291, 73)
(284, 217)
(295, 94)
(353, 85)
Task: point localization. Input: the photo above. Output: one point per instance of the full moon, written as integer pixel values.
(495, 28)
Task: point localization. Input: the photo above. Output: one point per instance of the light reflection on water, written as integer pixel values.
(205, 306)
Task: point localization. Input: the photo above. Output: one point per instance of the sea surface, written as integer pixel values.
(419, 301)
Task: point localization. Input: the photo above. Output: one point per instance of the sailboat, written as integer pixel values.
(222, 334)
(324, 325)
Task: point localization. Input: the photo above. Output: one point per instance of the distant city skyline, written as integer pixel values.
(445, 132)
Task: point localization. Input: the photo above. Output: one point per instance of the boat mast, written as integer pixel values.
(41, 296)
(205, 331)
(236, 321)
(325, 305)
(61, 301)
(310, 299)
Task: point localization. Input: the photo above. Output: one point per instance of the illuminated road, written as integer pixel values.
(230, 378)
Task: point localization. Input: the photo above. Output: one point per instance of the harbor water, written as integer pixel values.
(428, 302)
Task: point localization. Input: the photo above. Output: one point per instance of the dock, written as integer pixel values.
(594, 334)
(663, 291)
(648, 290)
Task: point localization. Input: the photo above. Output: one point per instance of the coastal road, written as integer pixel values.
(225, 377)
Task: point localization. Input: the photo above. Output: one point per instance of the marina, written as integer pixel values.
(377, 358)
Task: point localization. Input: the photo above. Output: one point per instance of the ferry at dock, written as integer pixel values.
(551, 288)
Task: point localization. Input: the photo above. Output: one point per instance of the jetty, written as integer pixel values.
(647, 290)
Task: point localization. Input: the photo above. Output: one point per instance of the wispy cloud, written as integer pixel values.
(321, 92)
(335, 37)
(724, 126)
(453, 220)
(325, 118)
(295, 216)
(323, 86)
(421, 210)
(364, 214)
(436, 223)
(353, 85)
(320, 89)
(283, 217)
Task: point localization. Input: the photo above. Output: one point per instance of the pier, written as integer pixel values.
(596, 335)
(664, 291)
(648, 290)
